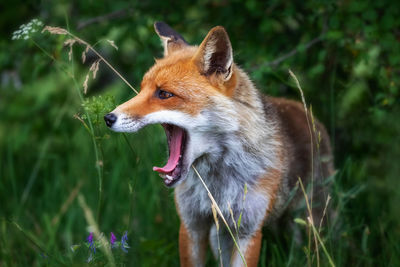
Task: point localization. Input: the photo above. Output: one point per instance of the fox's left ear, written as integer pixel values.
(215, 54)
(171, 39)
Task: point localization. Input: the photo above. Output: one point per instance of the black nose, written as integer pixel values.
(110, 118)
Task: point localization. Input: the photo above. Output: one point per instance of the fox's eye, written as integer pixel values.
(161, 94)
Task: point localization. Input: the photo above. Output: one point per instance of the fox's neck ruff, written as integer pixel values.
(243, 149)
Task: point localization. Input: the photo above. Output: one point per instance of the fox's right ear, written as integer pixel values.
(171, 40)
(214, 55)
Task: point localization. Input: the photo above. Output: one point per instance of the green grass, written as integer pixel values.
(46, 154)
(40, 169)
(48, 159)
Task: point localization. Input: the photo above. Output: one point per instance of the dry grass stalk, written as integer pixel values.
(310, 218)
(55, 30)
(94, 68)
(112, 43)
(309, 204)
(321, 242)
(76, 116)
(324, 213)
(316, 132)
(85, 83)
(220, 214)
(61, 31)
(233, 218)
(70, 43)
(215, 215)
(83, 57)
(312, 226)
(67, 203)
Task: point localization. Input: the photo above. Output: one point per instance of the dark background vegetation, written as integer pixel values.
(346, 55)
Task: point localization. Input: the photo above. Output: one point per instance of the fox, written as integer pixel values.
(250, 149)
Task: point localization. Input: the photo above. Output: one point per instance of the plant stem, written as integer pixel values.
(103, 59)
(29, 237)
(322, 244)
(90, 128)
(99, 167)
(99, 162)
(309, 205)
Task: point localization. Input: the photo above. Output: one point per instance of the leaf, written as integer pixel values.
(300, 221)
(239, 220)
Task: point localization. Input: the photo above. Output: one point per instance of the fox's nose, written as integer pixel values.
(110, 118)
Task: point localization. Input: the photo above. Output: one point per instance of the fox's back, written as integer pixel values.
(299, 136)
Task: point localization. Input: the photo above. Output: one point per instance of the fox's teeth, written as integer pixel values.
(169, 177)
(162, 175)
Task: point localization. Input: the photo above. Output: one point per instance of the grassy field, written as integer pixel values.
(60, 166)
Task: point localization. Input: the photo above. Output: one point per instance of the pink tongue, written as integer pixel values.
(174, 151)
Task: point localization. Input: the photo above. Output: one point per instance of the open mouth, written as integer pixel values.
(176, 138)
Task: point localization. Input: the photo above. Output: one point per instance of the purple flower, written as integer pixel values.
(124, 242)
(112, 239)
(89, 239)
(92, 246)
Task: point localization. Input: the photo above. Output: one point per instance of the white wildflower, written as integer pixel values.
(25, 31)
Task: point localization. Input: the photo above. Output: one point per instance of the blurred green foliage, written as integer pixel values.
(345, 53)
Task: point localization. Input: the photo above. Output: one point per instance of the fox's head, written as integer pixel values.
(189, 92)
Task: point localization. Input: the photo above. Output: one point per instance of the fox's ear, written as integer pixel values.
(170, 38)
(215, 54)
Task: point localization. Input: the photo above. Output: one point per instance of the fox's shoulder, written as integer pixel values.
(294, 120)
(286, 108)
(290, 115)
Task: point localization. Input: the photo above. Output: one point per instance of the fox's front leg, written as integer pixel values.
(250, 247)
(192, 246)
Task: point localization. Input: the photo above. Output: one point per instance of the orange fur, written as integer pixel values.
(185, 246)
(195, 75)
(190, 88)
(252, 252)
(270, 186)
